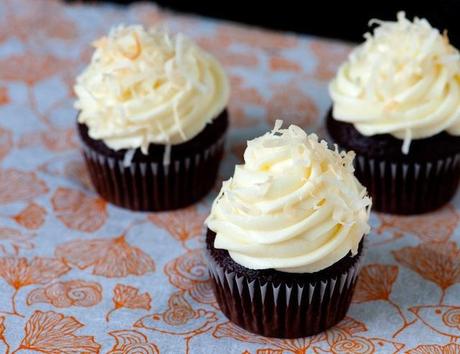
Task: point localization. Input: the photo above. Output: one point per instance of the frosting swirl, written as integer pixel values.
(294, 205)
(404, 80)
(144, 86)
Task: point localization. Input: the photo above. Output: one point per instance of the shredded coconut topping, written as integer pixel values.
(294, 204)
(146, 86)
(403, 80)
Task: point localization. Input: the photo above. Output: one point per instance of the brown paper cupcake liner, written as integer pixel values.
(290, 309)
(421, 181)
(155, 186)
(409, 187)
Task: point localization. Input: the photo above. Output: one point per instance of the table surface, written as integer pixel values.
(78, 275)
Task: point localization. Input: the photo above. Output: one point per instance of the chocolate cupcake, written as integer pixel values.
(396, 103)
(152, 119)
(285, 236)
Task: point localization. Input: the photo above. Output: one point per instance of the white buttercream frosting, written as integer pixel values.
(145, 86)
(294, 205)
(404, 80)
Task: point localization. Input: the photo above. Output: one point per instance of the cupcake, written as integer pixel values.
(152, 119)
(285, 236)
(396, 103)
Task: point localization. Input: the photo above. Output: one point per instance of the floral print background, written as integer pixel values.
(78, 275)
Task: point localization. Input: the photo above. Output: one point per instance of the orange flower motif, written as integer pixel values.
(452, 318)
(71, 167)
(294, 346)
(450, 348)
(436, 226)
(76, 170)
(254, 38)
(346, 337)
(17, 185)
(129, 297)
(328, 57)
(2, 327)
(6, 140)
(227, 56)
(353, 345)
(375, 282)
(179, 319)
(4, 97)
(12, 241)
(20, 272)
(346, 328)
(292, 105)
(132, 342)
(66, 294)
(189, 272)
(61, 140)
(232, 59)
(2, 334)
(52, 139)
(361, 345)
(111, 258)
(243, 94)
(183, 224)
(31, 69)
(442, 319)
(211, 44)
(179, 312)
(283, 64)
(33, 21)
(32, 217)
(268, 351)
(438, 262)
(78, 211)
(125, 296)
(68, 78)
(342, 331)
(51, 332)
(243, 97)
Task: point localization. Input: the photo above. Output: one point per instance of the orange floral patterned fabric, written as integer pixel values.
(78, 275)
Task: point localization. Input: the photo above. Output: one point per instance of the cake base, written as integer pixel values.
(423, 180)
(278, 304)
(150, 184)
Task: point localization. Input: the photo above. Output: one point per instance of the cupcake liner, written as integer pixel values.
(155, 186)
(409, 187)
(290, 309)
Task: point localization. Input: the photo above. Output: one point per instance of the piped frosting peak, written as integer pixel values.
(146, 86)
(404, 80)
(294, 205)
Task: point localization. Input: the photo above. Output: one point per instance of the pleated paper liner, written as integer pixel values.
(420, 181)
(148, 183)
(409, 188)
(293, 307)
